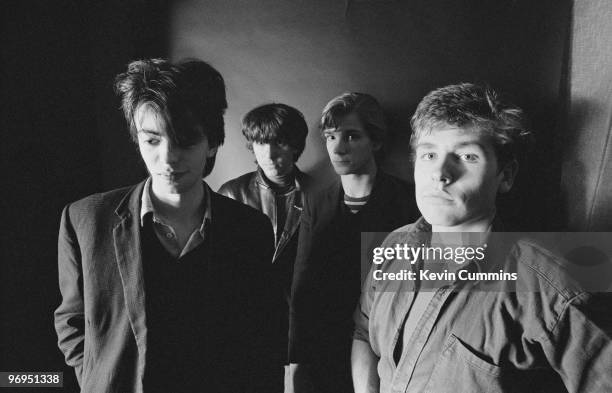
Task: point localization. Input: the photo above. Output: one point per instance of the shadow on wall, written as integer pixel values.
(578, 193)
(304, 53)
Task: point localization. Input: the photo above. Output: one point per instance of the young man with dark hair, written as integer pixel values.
(541, 333)
(327, 269)
(164, 283)
(276, 134)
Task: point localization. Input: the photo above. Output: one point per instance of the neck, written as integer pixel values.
(480, 224)
(359, 185)
(282, 180)
(184, 206)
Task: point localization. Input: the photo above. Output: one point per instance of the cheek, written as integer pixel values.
(287, 157)
(363, 152)
(420, 174)
(257, 155)
(147, 156)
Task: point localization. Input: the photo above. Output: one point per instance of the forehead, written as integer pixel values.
(452, 137)
(349, 122)
(147, 117)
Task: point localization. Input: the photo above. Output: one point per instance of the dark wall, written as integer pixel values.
(62, 138)
(303, 53)
(587, 169)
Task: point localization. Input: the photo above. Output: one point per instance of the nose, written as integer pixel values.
(443, 172)
(169, 152)
(271, 151)
(338, 146)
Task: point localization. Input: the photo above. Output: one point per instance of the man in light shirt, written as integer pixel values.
(463, 336)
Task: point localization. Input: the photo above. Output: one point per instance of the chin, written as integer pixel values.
(342, 170)
(435, 215)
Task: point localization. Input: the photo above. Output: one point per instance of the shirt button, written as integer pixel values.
(169, 235)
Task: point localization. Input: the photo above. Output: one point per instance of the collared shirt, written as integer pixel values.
(549, 338)
(165, 233)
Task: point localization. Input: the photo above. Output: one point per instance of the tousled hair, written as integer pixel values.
(189, 96)
(479, 108)
(367, 109)
(276, 124)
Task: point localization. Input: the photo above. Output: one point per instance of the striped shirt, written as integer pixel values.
(355, 204)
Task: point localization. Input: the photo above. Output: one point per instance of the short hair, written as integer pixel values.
(276, 123)
(367, 109)
(468, 105)
(185, 94)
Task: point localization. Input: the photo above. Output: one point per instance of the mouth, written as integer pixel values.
(440, 197)
(340, 162)
(171, 176)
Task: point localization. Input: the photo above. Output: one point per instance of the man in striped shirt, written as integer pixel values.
(327, 272)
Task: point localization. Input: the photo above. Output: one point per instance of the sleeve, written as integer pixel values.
(362, 312)
(580, 348)
(69, 316)
(301, 284)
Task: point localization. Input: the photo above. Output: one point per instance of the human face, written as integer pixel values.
(350, 149)
(457, 178)
(275, 159)
(174, 170)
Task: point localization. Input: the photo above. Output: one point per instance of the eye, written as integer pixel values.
(330, 137)
(469, 157)
(152, 142)
(352, 137)
(428, 156)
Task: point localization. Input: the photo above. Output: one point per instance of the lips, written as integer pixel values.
(171, 176)
(438, 196)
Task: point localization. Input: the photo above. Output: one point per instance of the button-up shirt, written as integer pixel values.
(165, 233)
(551, 337)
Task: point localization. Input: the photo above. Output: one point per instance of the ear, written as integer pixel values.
(507, 174)
(212, 152)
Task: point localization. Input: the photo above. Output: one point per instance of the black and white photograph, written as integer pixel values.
(306, 196)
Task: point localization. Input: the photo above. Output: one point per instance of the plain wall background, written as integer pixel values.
(587, 166)
(303, 53)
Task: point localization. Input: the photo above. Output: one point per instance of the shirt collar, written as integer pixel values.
(146, 205)
(260, 178)
(421, 233)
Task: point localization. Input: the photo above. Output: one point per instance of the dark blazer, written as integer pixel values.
(326, 280)
(101, 322)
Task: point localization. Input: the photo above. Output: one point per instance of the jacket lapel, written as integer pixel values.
(128, 254)
(293, 214)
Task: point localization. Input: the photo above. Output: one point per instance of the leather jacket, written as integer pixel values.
(253, 190)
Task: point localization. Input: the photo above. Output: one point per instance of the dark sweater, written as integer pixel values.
(176, 332)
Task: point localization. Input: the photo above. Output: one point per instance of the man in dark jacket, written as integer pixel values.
(326, 283)
(276, 134)
(164, 283)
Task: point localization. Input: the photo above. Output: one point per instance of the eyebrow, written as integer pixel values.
(458, 145)
(347, 130)
(150, 132)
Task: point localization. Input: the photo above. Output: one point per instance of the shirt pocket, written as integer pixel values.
(459, 369)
